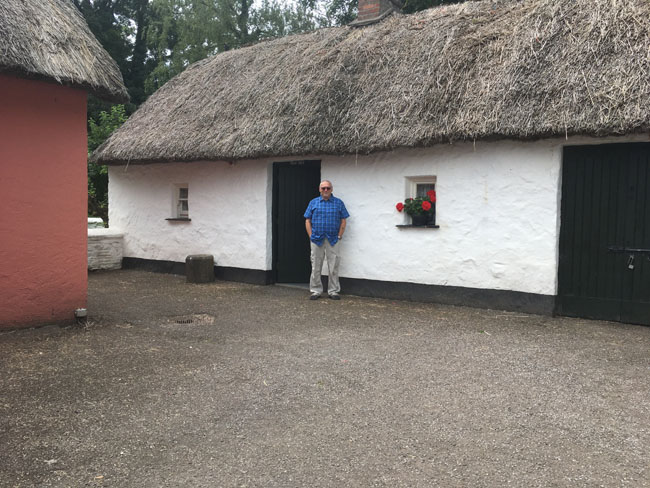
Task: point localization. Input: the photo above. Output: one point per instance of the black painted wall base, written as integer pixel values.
(450, 295)
(243, 275)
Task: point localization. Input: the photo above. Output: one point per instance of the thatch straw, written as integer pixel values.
(480, 70)
(49, 39)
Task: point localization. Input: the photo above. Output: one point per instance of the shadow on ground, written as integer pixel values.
(227, 384)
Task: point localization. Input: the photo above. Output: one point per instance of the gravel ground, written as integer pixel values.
(235, 385)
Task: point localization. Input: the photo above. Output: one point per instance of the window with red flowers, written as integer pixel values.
(419, 206)
(421, 187)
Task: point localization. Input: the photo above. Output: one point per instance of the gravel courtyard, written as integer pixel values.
(232, 385)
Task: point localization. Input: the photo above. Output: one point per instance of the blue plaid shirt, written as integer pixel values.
(326, 218)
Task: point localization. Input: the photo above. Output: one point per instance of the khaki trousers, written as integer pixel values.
(318, 254)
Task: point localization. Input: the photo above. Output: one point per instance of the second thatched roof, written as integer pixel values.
(519, 69)
(50, 40)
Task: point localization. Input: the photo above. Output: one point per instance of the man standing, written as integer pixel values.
(325, 223)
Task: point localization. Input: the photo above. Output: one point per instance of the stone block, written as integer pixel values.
(199, 268)
(104, 249)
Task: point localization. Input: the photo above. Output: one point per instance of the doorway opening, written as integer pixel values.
(295, 183)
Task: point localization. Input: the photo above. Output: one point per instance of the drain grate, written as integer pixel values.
(194, 319)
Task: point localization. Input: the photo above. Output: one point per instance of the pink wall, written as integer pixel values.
(43, 189)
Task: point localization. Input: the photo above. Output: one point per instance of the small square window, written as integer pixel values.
(420, 213)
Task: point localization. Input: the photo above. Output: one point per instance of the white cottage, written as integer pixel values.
(530, 118)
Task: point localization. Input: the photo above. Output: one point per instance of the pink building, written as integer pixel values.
(45, 75)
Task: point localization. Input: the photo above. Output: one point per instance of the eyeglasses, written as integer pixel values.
(325, 187)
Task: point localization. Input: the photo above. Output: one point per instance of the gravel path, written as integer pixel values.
(235, 385)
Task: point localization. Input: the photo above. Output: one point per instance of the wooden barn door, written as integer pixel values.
(294, 184)
(604, 264)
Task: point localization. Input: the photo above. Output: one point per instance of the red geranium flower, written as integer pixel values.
(432, 195)
(399, 206)
(426, 206)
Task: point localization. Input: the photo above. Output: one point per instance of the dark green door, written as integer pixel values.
(294, 184)
(604, 263)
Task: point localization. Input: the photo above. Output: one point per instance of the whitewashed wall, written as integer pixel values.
(498, 211)
(227, 205)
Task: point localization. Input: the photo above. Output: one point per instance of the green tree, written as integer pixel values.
(182, 32)
(341, 12)
(121, 26)
(138, 13)
(110, 24)
(98, 132)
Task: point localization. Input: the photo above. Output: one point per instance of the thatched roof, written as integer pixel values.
(50, 40)
(480, 70)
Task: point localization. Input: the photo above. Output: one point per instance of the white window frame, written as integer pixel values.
(177, 201)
